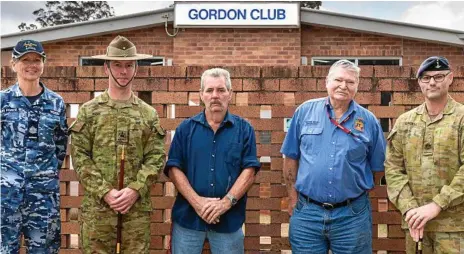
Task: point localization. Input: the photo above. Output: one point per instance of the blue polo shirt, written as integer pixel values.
(333, 165)
(212, 163)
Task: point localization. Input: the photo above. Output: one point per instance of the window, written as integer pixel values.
(395, 61)
(88, 61)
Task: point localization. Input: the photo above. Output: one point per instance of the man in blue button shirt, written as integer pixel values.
(212, 162)
(331, 148)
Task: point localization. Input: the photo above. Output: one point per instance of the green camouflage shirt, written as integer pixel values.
(424, 164)
(102, 127)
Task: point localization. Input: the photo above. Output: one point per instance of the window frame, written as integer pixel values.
(357, 58)
(164, 62)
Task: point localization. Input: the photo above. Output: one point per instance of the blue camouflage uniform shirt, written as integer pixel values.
(34, 139)
(334, 166)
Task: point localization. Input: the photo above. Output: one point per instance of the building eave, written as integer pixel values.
(382, 27)
(91, 28)
(308, 17)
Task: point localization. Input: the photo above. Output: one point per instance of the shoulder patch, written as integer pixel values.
(160, 130)
(76, 126)
(391, 134)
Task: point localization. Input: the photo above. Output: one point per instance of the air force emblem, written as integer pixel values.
(30, 45)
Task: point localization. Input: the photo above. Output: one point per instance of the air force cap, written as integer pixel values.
(26, 46)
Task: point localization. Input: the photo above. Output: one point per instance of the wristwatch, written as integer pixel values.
(232, 199)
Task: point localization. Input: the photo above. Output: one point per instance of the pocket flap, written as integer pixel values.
(311, 130)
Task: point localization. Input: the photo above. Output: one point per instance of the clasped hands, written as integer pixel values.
(210, 209)
(418, 217)
(121, 200)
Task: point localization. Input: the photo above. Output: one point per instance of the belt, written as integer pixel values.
(329, 206)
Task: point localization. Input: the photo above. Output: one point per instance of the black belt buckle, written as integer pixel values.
(328, 206)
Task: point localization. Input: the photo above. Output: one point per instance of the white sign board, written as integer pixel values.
(237, 14)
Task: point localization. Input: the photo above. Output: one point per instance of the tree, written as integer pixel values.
(65, 12)
(311, 4)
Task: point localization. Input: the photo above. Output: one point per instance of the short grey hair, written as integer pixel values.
(344, 64)
(216, 73)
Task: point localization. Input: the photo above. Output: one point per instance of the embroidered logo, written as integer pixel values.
(30, 45)
(359, 124)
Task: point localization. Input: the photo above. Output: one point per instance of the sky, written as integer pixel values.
(449, 14)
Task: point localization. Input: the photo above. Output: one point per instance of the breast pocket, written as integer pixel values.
(233, 160)
(10, 121)
(47, 124)
(310, 140)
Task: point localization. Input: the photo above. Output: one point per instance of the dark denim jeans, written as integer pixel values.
(343, 230)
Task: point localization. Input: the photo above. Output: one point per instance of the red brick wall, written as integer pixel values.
(237, 47)
(414, 52)
(251, 47)
(148, 41)
(322, 41)
(277, 88)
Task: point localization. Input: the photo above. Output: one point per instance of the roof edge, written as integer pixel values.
(382, 27)
(96, 21)
(383, 20)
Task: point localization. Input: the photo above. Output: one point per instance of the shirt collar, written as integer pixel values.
(105, 98)
(201, 118)
(351, 108)
(45, 95)
(449, 108)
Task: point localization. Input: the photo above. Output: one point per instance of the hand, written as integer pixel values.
(125, 200)
(292, 200)
(201, 204)
(418, 217)
(213, 210)
(111, 196)
(416, 234)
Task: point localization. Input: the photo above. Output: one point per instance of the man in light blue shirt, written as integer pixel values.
(331, 149)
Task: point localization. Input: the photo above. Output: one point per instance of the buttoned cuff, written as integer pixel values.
(139, 187)
(440, 202)
(103, 190)
(410, 205)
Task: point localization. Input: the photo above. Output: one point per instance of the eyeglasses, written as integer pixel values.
(438, 78)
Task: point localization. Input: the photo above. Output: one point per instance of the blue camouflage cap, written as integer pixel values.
(433, 63)
(26, 46)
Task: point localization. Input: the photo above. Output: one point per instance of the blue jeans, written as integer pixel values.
(188, 241)
(343, 230)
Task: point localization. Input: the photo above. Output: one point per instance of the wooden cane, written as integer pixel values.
(121, 186)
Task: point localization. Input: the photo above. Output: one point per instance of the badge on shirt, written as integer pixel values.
(123, 136)
(359, 124)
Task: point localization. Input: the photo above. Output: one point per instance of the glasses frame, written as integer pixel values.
(437, 81)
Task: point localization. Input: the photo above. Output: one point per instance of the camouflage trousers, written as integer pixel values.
(438, 243)
(34, 214)
(98, 232)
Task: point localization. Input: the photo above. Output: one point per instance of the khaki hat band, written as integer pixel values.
(115, 52)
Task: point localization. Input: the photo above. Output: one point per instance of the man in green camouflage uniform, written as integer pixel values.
(424, 166)
(106, 125)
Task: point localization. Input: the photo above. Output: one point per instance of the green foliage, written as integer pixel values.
(66, 12)
(311, 4)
